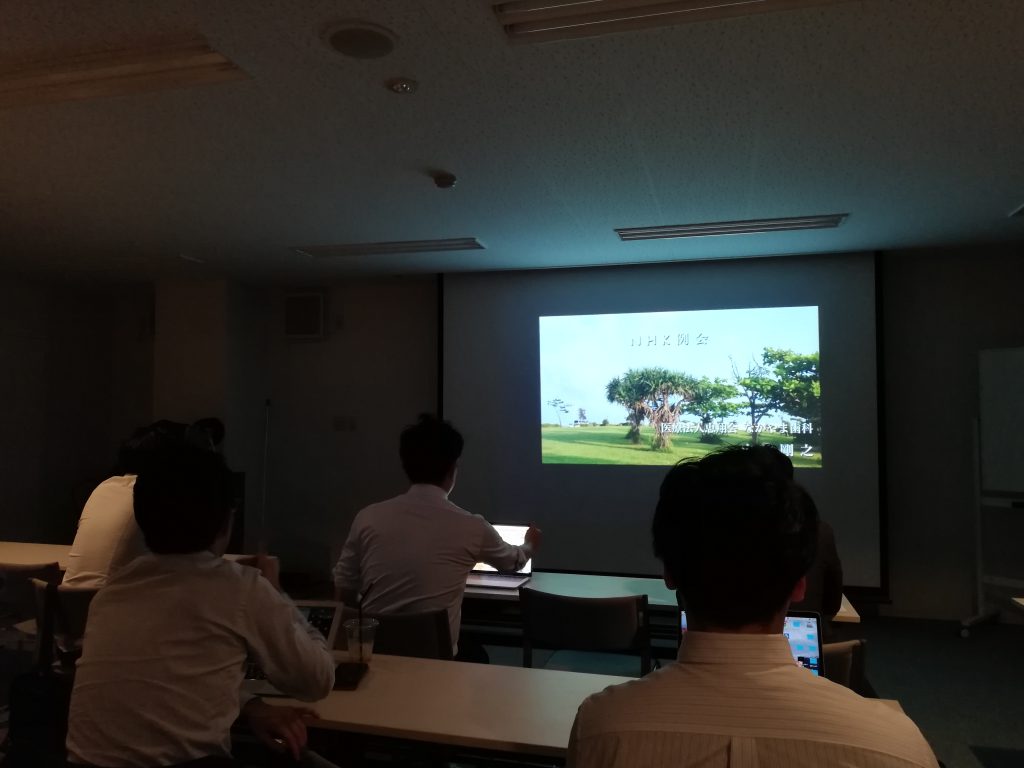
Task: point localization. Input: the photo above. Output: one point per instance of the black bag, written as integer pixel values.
(39, 704)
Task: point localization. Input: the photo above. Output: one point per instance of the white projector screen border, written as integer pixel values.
(596, 519)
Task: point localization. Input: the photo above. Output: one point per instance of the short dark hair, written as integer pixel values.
(183, 499)
(146, 442)
(734, 534)
(429, 449)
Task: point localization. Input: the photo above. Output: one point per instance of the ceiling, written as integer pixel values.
(906, 114)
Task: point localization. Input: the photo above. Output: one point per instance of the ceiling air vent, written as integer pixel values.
(538, 21)
(390, 248)
(751, 227)
(153, 64)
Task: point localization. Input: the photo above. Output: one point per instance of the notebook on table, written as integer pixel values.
(803, 631)
(323, 615)
(484, 575)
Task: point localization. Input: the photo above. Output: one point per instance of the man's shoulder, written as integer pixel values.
(407, 502)
(202, 567)
(682, 700)
(602, 711)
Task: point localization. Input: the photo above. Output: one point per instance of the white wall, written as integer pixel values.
(338, 406)
(75, 378)
(940, 308)
(190, 349)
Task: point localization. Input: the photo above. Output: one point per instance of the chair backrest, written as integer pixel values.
(845, 663)
(424, 635)
(17, 598)
(616, 624)
(71, 611)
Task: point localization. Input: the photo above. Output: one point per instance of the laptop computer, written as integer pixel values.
(484, 575)
(803, 631)
(323, 615)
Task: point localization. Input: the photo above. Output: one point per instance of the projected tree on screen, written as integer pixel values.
(669, 385)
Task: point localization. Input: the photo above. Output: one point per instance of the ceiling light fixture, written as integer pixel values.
(751, 227)
(360, 39)
(537, 21)
(390, 248)
(144, 65)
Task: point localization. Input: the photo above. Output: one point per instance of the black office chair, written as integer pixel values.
(71, 611)
(17, 597)
(424, 634)
(610, 624)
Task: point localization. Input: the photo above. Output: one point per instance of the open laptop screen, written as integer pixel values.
(803, 631)
(511, 534)
(325, 616)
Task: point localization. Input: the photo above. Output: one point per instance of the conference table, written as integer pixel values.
(569, 584)
(470, 706)
(659, 597)
(25, 553)
(30, 553)
(474, 707)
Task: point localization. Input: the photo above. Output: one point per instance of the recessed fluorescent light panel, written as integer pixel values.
(390, 248)
(538, 21)
(751, 227)
(139, 66)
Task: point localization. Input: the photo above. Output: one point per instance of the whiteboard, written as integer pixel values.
(1001, 415)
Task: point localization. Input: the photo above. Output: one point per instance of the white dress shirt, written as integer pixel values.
(413, 553)
(107, 537)
(163, 661)
(740, 701)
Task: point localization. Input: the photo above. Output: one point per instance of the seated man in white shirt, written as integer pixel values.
(736, 540)
(413, 553)
(167, 638)
(108, 537)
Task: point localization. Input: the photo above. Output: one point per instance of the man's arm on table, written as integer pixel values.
(293, 655)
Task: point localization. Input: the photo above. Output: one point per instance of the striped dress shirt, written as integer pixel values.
(740, 701)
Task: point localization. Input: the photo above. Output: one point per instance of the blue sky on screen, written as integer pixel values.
(580, 354)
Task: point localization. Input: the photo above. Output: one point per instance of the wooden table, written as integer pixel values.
(27, 553)
(587, 585)
(474, 706)
(471, 706)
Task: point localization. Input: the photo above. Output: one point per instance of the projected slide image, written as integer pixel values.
(655, 387)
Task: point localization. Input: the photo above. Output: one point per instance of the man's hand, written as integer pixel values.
(534, 536)
(267, 565)
(280, 728)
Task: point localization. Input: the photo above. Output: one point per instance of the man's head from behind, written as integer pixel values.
(430, 449)
(183, 500)
(734, 535)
